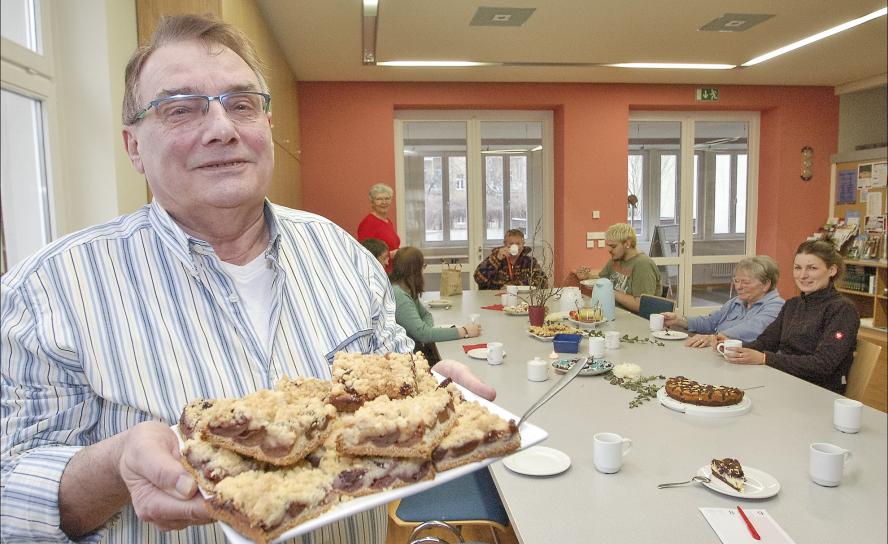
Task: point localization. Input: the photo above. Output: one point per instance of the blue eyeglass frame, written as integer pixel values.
(154, 103)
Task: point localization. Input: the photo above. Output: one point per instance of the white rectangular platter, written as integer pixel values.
(530, 435)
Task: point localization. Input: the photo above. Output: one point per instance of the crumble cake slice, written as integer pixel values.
(358, 378)
(210, 464)
(688, 391)
(263, 505)
(305, 387)
(730, 472)
(270, 426)
(410, 427)
(477, 434)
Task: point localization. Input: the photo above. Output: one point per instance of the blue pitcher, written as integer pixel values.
(603, 294)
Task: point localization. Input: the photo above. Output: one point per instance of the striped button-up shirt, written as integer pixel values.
(130, 320)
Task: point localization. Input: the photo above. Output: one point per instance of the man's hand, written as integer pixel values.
(162, 491)
(462, 375)
(502, 253)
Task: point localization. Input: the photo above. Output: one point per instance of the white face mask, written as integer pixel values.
(513, 250)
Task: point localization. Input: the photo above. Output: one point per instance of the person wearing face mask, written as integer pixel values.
(510, 264)
(632, 272)
(743, 317)
(814, 336)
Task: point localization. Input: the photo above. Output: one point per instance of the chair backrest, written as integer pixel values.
(650, 304)
(865, 360)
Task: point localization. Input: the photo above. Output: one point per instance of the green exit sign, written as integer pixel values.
(707, 94)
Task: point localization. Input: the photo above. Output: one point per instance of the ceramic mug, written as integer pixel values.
(826, 464)
(612, 339)
(596, 347)
(494, 353)
(846, 415)
(657, 322)
(537, 370)
(730, 343)
(608, 450)
(474, 318)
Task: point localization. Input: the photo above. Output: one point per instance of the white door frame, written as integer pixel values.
(474, 165)
(686, 258)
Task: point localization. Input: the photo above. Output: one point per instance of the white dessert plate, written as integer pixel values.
(538, 461)
(738, 409)
(530, 435)
(442, 303)
(759, 484)
(514, 310)
(592, 368)
(586, 324)
(480, 353)
(541, 338)
(670, 335)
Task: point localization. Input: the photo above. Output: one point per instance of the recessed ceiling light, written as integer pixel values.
(673, 65)
(816, 37)
(434, 63)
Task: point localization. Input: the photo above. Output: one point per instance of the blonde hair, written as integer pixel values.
(380, 188)
(182, 28)
(621, 232)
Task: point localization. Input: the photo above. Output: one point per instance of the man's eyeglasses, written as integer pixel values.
(183, 110)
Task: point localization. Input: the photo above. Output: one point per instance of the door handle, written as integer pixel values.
(480, 252)
(681, 247)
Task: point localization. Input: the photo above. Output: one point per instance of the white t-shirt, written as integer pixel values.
(253, 281)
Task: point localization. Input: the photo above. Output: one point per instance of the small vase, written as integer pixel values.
(537, 315)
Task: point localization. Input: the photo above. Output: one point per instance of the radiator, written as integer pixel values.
(722, 270)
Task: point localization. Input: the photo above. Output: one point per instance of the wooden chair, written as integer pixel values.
(468, 500)
(860, 377)
(650, 304)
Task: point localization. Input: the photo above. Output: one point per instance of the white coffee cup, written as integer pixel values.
(494, 353)
(474, 318)
(608, 450)
(612, 339)
(846, 415)
(827, 463)
(504, 299)
(537, 370)
(730, 343)
(657, 322)
(596, 347)
(512, 290)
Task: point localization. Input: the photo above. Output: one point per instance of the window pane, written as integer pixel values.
(493, 197)
(712, 284)
(696, 174)
(25, 202)
(741, 194)
(19, 23)
(636, 187)
(457, 201)
(667, 187)
(434, 211)
(518, 192)
(722, 217)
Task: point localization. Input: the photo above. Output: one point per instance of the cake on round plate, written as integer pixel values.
(690, 392)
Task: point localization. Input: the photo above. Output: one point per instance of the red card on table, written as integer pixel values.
(469, 347)
(497, 307)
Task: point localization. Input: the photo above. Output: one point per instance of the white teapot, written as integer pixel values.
(603, 295)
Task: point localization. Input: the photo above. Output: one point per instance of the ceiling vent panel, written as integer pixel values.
(735, 22)
(501, 16)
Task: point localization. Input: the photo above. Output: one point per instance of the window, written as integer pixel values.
(26, 222)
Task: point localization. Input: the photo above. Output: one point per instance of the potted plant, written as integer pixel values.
(542, 285)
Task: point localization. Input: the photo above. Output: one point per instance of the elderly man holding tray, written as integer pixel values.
(210, 291)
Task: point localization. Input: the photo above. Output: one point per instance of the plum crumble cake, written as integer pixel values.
(476, 435)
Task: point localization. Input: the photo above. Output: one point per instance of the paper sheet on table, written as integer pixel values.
(731, 529)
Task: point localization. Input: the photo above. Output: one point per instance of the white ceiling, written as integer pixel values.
(322, 40)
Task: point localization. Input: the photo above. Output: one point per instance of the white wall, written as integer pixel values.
(862, 118)
(93, 177)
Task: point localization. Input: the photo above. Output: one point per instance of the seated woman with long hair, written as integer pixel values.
(408, 286)
(815, 334)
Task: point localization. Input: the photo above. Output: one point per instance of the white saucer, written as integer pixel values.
(759, 484)
(480, 353)
(670, 335)
(738, 409)
(538, 461)
(443, 303)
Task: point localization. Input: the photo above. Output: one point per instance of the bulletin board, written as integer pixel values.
(860, 195)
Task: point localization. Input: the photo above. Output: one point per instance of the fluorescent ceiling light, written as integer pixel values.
(433, 63)
(816, 37)
(673, 65)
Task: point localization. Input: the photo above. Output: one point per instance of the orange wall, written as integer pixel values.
(348, 144)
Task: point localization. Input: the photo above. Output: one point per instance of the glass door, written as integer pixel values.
(465, 179)
(692, 200)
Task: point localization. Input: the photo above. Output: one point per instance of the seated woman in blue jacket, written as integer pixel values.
(408, 286)
(745, 316)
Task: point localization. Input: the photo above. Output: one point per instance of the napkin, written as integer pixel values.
(469, 347)
(497, 307)
(731, 529)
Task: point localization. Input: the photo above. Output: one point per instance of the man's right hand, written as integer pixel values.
(502, 252)
(162, 491)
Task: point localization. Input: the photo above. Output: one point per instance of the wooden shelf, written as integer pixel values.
(852, 292)
(866, 262)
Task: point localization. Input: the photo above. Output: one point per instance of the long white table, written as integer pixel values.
(582, 505)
